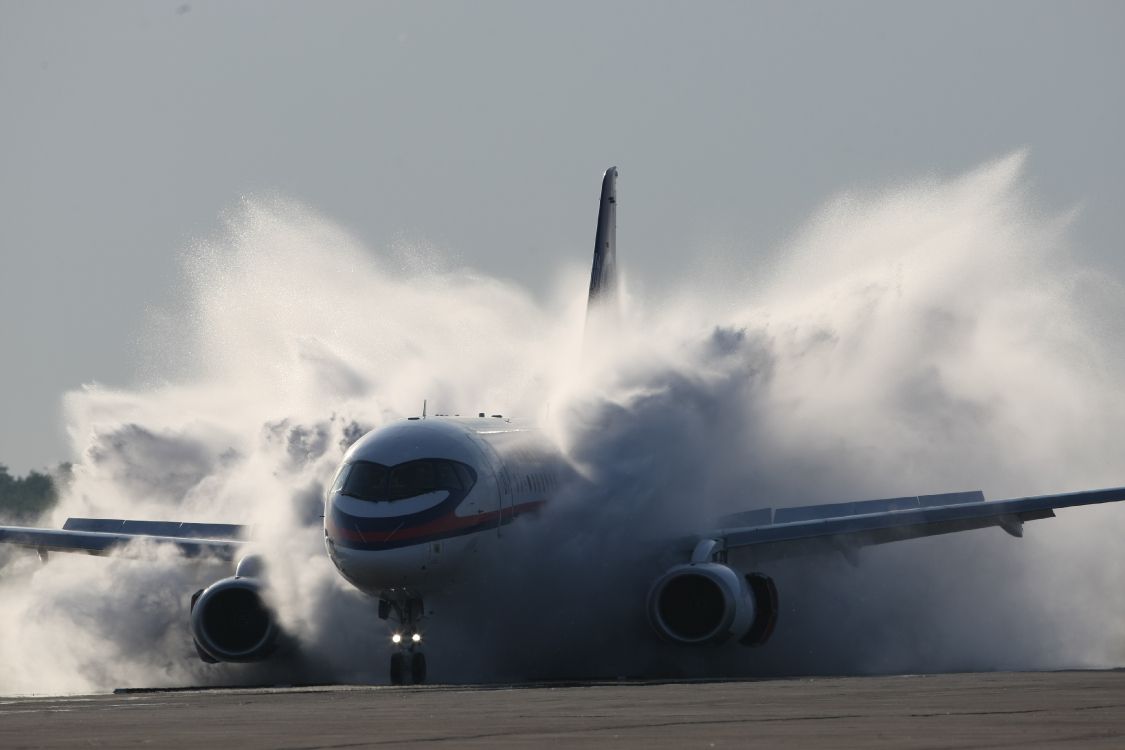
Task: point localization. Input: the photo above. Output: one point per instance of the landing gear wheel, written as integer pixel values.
(406, 636)
(398, 668)
(418, 667)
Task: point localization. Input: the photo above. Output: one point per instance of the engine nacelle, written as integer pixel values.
(700, 603)
(230, 622)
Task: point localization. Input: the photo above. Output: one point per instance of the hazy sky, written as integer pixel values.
(127, 128)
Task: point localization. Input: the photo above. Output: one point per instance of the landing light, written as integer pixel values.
(417, 637)
(396, 638)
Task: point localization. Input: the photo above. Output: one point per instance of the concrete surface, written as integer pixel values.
(1055, 710)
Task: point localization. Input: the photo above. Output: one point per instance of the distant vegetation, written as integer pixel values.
(23, 499)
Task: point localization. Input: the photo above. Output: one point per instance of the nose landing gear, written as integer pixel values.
(408, 663)
(418, 667)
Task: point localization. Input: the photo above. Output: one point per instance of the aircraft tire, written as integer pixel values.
(418, 667)
(398, 668)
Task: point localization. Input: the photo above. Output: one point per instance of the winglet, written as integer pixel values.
(603, 276)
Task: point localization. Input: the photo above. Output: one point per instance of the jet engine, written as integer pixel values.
(230, 622)
(699, 603)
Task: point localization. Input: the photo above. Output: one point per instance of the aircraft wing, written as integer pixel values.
(103, 536)
(846, 527)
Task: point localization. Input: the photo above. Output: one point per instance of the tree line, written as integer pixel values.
(24, 499)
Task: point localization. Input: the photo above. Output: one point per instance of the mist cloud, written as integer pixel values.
(928, 338)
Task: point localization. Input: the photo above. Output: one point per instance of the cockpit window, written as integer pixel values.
(341, 477)
(366, 480)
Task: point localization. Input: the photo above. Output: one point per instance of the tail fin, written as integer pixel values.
(603, 277)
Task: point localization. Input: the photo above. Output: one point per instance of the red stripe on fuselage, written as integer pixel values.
(438, 526)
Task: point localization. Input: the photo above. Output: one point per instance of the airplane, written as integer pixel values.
(413, 500)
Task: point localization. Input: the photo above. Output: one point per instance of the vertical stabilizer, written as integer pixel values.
(603, 277)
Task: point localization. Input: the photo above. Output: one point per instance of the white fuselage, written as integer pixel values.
(412, 500)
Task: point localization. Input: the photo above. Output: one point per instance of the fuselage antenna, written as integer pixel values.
(423, 408)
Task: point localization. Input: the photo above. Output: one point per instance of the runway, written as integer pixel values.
(1043, 709)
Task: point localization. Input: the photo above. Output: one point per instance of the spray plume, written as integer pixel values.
(929, 338)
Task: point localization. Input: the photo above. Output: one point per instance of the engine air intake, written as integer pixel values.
(702, 603)
(692, 606)
(230, 621)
